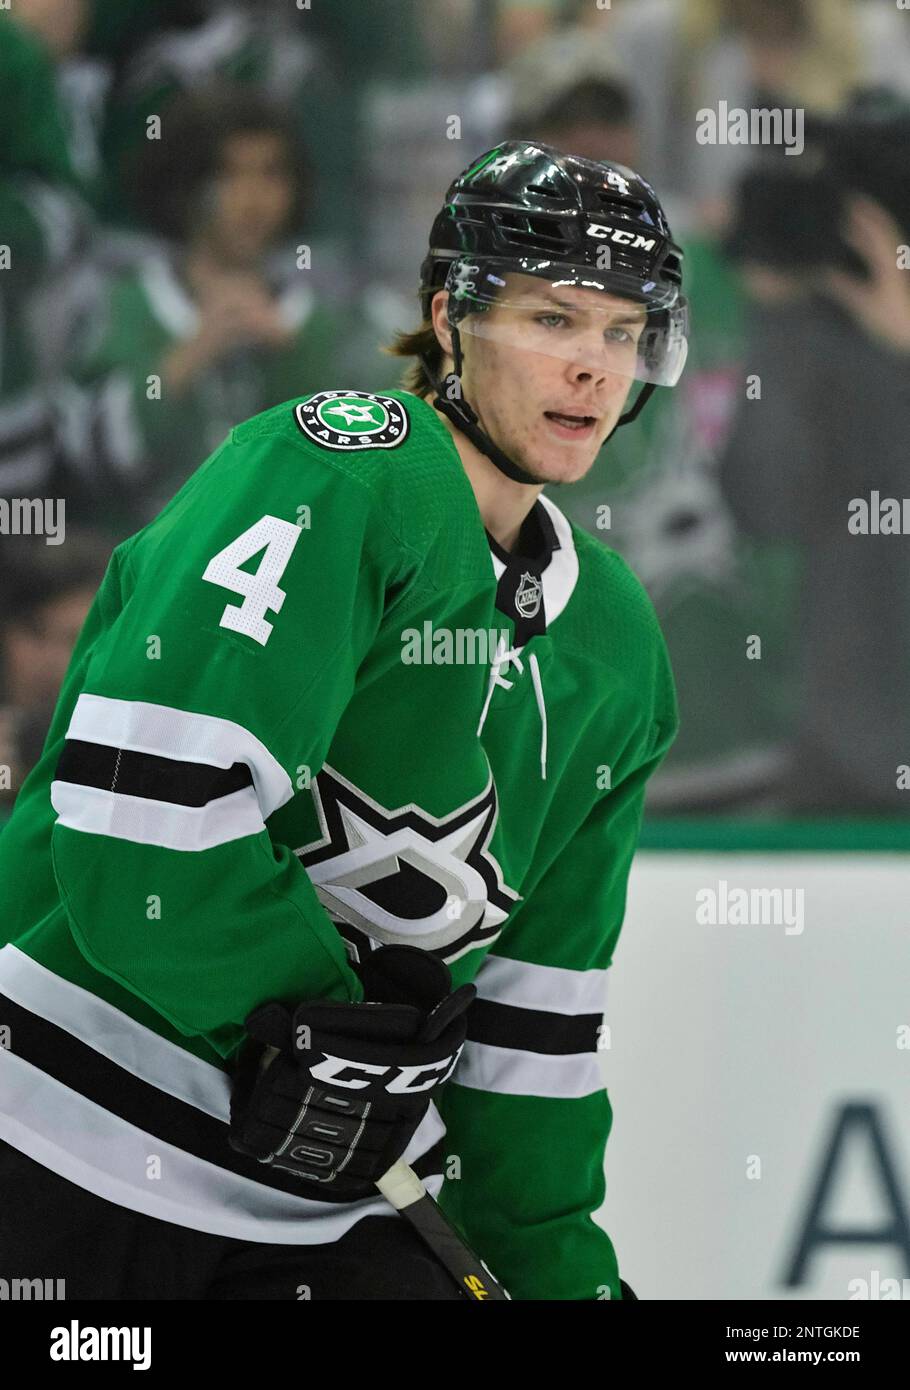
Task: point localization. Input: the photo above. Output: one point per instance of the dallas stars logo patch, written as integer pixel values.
(401, 876)
(353, 420)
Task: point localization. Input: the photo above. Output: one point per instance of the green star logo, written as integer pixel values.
(353, 416)
(352, 420)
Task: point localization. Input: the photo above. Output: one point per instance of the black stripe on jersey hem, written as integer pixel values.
(79, 1067)
(147, 774)
(532, 1030)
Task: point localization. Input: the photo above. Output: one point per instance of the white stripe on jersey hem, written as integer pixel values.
(146, 822)
(511, 1071)
(549, 988)
(112, 1033)
(74, 1137)
(184, 735)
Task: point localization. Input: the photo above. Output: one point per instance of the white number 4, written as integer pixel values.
(260, 590)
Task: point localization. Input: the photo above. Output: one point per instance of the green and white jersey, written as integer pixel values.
(315, 709)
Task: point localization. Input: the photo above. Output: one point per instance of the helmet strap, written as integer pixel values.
(465, 419)
(644, 396)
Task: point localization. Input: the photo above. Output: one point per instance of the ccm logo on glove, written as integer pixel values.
(406, 1082)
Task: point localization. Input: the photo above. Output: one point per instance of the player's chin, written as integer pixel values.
(566, 464)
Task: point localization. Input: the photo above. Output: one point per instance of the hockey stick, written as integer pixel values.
(403, 1189)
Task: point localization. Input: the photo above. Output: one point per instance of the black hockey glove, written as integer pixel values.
(339, 1095)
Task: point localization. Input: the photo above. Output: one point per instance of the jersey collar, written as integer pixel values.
(534, 588)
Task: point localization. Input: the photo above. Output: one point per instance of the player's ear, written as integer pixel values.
(440, 318)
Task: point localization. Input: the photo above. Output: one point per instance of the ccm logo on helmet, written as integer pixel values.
(401, 1080)
(624, 238)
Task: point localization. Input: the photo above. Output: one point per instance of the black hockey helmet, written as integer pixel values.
(528, 208)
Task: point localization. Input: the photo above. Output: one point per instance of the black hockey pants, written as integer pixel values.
(52, 1229)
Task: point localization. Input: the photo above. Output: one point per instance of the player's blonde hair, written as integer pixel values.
(415, 343)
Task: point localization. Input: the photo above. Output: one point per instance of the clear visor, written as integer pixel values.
(573, 316)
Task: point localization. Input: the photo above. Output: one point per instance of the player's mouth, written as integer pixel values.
(574, 427)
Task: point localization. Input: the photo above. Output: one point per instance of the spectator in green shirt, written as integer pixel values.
(222, 324)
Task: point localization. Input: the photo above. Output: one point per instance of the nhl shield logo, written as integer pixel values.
(528, 596)
(352, 420)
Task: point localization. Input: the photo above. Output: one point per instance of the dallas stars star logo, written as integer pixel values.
(403, 876)
(356, 414)
(498, 166)
(352, 420)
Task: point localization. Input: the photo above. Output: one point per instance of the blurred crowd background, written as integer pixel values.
(211, 206)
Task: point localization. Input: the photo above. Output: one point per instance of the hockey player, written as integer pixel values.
(357, 726)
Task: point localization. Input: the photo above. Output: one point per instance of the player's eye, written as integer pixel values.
(619, 335)
(551, 320)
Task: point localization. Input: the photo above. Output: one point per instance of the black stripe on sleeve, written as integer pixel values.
(532, 1030)
(146, 774)
(72, 1062)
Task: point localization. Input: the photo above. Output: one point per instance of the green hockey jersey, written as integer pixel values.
(314, 709)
